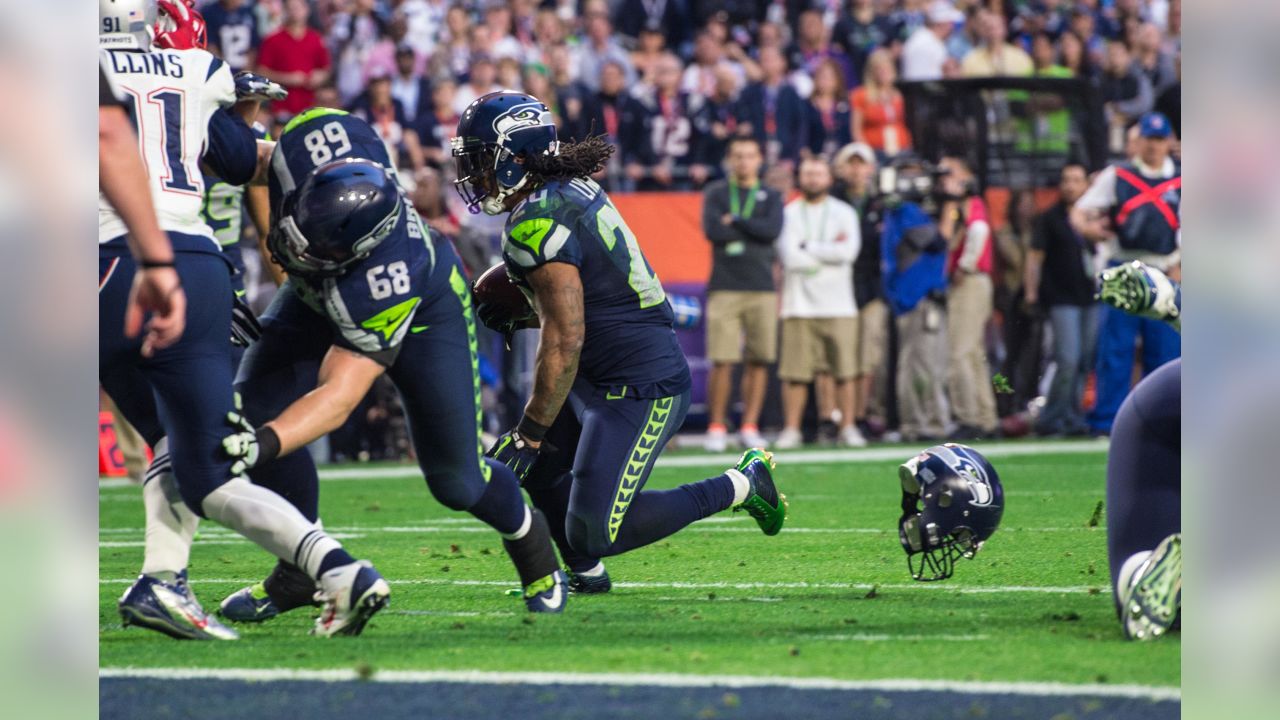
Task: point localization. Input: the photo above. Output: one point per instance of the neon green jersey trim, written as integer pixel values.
(310, 114)
(634, 472)
(389, 321)
(531, 233)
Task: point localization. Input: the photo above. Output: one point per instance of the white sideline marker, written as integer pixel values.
(480, 677)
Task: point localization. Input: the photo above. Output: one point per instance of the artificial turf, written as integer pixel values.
(828, 597)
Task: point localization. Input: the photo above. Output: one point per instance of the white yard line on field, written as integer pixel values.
(722, 460)
(668, 680)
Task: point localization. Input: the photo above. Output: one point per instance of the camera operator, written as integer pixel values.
(962, 220)
(914, 256)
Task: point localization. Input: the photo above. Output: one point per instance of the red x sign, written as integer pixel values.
(1147, 194)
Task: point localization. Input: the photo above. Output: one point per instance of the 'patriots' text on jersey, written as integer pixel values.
(629, 341)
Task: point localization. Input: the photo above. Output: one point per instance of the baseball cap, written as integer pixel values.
(1154, 125)
(858, 150)
(943, 11)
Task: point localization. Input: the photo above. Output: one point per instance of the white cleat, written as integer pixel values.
(717, 441)
(1152, 597)
(751, 438)
(788, 439)
(852, 437)
(351, 594)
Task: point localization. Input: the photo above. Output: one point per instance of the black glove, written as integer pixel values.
(515, 452)
(245, 329)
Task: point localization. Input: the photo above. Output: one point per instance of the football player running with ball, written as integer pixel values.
(611, 384)
(370, 291)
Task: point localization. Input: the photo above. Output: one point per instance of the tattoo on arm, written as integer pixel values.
(557, 289)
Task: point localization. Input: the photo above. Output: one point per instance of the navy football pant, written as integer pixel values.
(184, 390)
(437, 375)
(1144, 467)
(590, 485)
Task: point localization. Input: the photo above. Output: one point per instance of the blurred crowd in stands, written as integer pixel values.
(674, 84)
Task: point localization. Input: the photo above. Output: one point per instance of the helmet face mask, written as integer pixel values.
(952, 502)
(335, 218)
(496, 133)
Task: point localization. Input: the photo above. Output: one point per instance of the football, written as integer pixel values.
(499, 296)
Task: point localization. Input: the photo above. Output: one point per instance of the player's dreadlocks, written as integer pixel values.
(576, 160)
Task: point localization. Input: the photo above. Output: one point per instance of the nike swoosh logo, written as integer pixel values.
(418, 328)
(557, 597)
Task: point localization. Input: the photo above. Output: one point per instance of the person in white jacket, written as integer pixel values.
(820, 239)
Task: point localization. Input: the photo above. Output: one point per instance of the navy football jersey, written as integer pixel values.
(371, 306)
(629, 341)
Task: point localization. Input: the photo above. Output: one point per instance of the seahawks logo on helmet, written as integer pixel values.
(970, 471)
(520, 117)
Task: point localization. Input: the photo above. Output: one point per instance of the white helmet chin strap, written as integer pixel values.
(497, 204)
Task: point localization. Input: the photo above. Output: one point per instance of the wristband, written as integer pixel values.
(531, 429)
(150, 264)
(268, 444)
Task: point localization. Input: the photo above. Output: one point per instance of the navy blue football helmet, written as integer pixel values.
(336, 217)
(495, 129)
(952, 502)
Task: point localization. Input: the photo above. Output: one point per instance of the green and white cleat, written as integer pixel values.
(1150, 601)
(764, 502)
(1139, 289)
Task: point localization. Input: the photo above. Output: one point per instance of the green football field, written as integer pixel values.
(829, 597)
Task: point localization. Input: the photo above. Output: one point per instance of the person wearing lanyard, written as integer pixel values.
(820, 239)
(742, 220)
(1133, 210)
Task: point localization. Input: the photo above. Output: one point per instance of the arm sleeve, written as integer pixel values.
(232, 151)
(1101, 194)
(1040, 233)
(220, 86)
(976, 237)
(763, 227)
(841, 252)
(1140, 103)
(535, 238)
(712, 210)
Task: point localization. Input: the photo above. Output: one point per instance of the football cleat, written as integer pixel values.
(548, 594)
(764, 502)
(1151, 599)
(589, 584)
(249, 604)
(170, 608)
(351, 594)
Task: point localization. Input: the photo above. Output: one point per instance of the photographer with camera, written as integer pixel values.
(915, 282)
(962, 220)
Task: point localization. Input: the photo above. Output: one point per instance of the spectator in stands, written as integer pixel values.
(812, 46)
(233, 32)
(924, 55)
(455, 53)
(743, 220)
(439, 125)
(828, 118)
(714, 121)
(296, 57)
(820, 239)
(618, 115)
(914, 257)
(649, 49)
(1084, 25)
(1058, 277)
(1134, 207)
(708, 57)
(1172, 42)
(859, 31)
(1152, 60)
(857, 161)
(962, 220)
(353, 31)
(668, 18)
(994, 57)
(666, 159)
(386, 115)
(772, 111)
(1169, 102)
(410, 88)
(878, 109)
(1044, 58)
(599, 46)
(503, 44)
(483, 80)
(1125, 89)
(1074, 58)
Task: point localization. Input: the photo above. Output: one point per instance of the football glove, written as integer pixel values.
(250, 86)
(515, 452)
(248, 446)
(498, 319)
(180, 26)
(245, 328)
(1141, 290)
